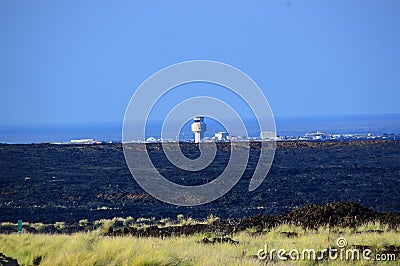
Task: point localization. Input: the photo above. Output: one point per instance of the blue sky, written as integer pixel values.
(80, 61)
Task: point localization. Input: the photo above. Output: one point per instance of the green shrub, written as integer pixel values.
(106, 225)
(180, 218)
(83, 222)
(59, 225)
(38, 226)
(6, 224)
(142, 220)
(211, 219)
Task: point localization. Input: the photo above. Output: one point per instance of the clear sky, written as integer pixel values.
(80, 61)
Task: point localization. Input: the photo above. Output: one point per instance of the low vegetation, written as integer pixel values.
(211, 241)
(95, 248)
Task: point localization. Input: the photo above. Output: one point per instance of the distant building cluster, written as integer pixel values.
(198, 127)
(321, 136)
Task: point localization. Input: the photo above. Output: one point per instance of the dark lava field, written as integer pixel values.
(49, 183)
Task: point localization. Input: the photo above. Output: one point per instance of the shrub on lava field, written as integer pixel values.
(165, 222)
(185, 221)
(83, 222)
(106, 225)
(189, 221)
(59, 225)
(129, 221)
(143, 220)
(38, 226)
(180, 218)
(97, 224)
(7, 224)
(211, 219)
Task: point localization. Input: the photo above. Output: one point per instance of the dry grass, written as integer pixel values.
(94, 249)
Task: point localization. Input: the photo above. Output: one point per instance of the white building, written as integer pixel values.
(198, 128)
(221, 136)
(315, 135)
(268, 135)
(82, 141)
(151, 139)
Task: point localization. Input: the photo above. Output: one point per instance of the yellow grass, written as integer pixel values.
(94, 249)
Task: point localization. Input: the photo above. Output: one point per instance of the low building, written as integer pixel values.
(82, 141)
(317, 135)
(151, 139)
(221, 136)
(268, 135)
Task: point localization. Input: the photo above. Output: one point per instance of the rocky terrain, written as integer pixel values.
(49, 183)
(310, 217)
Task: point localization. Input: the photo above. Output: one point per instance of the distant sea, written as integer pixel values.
(286, 126)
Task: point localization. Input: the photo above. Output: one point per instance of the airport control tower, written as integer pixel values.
(198, 128)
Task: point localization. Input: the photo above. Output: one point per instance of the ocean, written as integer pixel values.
(286, 126)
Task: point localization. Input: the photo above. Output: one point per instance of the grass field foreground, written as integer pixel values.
(93, 248)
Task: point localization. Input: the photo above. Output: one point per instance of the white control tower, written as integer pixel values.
(198, 128)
